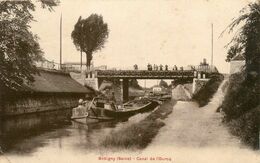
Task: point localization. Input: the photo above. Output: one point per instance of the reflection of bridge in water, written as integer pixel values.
(125, 75)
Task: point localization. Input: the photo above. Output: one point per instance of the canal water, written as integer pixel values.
(41, 137)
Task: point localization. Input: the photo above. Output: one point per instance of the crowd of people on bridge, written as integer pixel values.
(160, 67)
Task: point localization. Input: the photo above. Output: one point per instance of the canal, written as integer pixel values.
(39, 137)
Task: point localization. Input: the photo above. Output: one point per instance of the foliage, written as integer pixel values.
(241, 102)
(204, 95)
(19, 47)
(134, 83)
(89, 35)
(234, 105)
(247, 127)
(241, 108)
(232, 52)
(247, 38)
(163, 84)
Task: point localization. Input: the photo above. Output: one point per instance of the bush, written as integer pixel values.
(241, 96)
(204, 95)
(134, 136)
(242, 109)
(247, 127)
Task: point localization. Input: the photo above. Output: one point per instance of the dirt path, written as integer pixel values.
(189, 125)
(194, 134)
(180, 93)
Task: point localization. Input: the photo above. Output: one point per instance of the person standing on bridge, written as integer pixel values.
(135, 67)
(161, 67)
(149, 67)
(175, 68)
(166, 67)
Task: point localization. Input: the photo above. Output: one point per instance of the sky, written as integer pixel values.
(173, 32)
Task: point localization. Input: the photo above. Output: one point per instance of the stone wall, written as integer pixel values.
(33, 104)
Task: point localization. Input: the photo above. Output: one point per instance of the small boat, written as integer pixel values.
(100, 109)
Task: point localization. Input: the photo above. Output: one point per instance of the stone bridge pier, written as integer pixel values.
(125, 89)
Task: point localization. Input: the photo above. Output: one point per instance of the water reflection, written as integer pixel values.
(33, 133)
(15, 129)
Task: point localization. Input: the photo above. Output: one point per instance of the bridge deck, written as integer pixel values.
(145, 74)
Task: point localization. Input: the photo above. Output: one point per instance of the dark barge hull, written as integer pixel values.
(101, 114)
(127, 113)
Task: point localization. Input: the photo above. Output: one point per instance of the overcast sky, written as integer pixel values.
(173, 32)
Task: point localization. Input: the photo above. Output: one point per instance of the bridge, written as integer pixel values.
(125, 75)
(145, 74)
(201, 71)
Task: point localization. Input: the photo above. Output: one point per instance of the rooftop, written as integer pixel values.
(238, 57)
(55, 82)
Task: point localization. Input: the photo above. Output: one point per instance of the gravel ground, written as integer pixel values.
(197, 135)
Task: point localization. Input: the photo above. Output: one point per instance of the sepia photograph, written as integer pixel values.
(129, 81)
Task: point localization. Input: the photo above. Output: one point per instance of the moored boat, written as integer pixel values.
(102, 110)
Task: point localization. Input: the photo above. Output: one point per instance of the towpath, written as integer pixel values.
(197, 135)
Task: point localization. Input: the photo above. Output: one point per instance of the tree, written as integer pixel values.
(232, 52)
(19, 47)
(134, 83)
(89, 35)
(163, 84)
(247, 39)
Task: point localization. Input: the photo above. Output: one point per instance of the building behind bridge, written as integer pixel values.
(205, 67)
(237, 63)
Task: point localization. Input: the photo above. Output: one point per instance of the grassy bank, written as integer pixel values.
(139, 135)
(242, 109)
(204, 95)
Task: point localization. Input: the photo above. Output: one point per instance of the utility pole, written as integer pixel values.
(212, 45)
(80, 60)
(60, 41)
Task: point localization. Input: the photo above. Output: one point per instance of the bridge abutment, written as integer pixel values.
(199, 82)
(125, 90)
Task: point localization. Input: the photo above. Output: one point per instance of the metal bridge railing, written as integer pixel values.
(145, 73)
